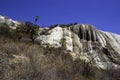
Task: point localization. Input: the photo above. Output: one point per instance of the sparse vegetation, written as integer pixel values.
(53, 26)
(25, 61)
(8, 32)
(62, 25)
(29, 29)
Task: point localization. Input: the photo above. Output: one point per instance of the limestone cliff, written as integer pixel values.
(85, 42)
(61, 52)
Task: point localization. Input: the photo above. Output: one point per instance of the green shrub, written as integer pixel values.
(6, 31)
(28, 29)
(62, 25)
(4, 28)
(75, 23)
(53, 26)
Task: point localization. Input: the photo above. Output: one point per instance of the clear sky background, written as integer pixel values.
(104, 14)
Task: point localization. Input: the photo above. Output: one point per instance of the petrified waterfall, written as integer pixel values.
(85, 42)
(85, 32)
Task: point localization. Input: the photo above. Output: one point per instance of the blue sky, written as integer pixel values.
(104, 14)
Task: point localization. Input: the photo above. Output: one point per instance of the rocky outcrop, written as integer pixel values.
(65, 52)
(84, 42)
(12, 24)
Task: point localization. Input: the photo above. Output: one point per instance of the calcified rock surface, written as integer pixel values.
(84, 42)
(12, 23)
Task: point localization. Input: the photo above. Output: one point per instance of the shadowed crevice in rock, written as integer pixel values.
(85, 32)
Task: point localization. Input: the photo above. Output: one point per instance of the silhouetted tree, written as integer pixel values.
(36, 19)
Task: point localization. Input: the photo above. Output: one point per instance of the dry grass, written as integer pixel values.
(19, 60)
(25, 61)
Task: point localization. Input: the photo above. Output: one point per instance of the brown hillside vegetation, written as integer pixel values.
(25, 61)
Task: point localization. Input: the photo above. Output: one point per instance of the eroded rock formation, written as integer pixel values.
(85, 42)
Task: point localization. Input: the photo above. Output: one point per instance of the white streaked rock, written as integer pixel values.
(86, 43)
(12, 24)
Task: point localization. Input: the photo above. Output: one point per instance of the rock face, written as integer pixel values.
(65, 52)
(84, 42)
(12, 24)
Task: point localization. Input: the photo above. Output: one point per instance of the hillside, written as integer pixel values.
(59, 52)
